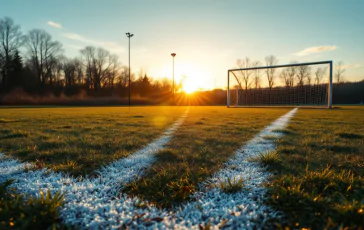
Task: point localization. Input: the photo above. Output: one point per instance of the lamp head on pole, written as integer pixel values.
(129, 35)
(173, 54)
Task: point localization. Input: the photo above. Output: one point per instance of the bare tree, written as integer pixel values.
(70, 71)
(11, 39)
(113, 70)
(291, 72)
(257, 76)
(122, 78)
(320, 72)
(303, 73)
(284, 76)
(102, 65)
(245, 74)
(339, 72)
(98, 64)
(42, 52)
(79, 70)
(55, 69)
(271, 60)
(88, 55)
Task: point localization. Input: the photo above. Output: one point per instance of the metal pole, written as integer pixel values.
(173, 80)
(330, 88)
(173, 55)
(281, 66)
(129, 72)
(129, 35)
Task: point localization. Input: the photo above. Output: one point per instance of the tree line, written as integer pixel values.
(288, 76)
(309, 80)
(45, 70)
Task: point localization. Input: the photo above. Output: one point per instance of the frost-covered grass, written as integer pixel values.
(78, 140)
(319, 180)
(19, 211)
(207, 139)
(88, 202)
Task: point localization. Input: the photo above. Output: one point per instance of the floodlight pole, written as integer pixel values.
(129, 35)
(173, 55)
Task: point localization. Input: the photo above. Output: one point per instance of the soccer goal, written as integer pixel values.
(291, 85)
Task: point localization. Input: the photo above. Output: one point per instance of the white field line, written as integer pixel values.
(241, 210)
(87, 200)
(90, 203)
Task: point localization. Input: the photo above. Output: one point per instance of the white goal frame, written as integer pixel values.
(329, 90)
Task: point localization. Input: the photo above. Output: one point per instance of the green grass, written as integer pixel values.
(319, 182)
(269, 158)
(24, 212)
(79, 140)
(231, 185)
(207, 139)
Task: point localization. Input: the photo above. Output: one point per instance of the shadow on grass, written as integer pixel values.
(350, 135)
(15, 135)
(341, 149)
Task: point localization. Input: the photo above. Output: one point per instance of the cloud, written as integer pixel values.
(111, 46)
(76, 37)
(315, 49)
(54, 24)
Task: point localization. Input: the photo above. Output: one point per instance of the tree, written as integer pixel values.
(11, 39)
(284, 75)
(98, 62)
(303, 73)
(339, 72)
(54, 69)
(102, 66)
(245, 74)
(256, 76)
(15, 71)
(42, 53)
(70, 71)
(122, 78)
(112, 72)
(88, 55)
(291, 72)
(320, 72)
(144, 86)
(271, 60)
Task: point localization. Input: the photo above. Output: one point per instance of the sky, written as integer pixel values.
(208, 36)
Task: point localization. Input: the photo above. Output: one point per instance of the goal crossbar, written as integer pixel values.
(330, 87)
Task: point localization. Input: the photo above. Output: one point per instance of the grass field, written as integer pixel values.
(80, 140)
(317, 169)
(320, 170)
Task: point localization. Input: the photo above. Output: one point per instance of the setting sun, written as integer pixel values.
(194, 78)
(189, 86)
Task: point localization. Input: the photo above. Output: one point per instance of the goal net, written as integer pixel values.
(291, 85)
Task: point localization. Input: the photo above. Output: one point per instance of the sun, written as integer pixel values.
(189, 86)
(194, 79)
(189, 77)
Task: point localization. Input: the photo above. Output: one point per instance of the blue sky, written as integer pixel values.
(207, 35)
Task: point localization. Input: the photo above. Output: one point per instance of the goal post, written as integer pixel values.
(290, 85)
